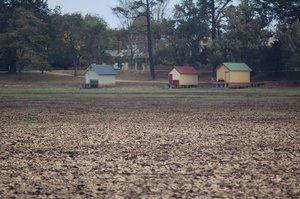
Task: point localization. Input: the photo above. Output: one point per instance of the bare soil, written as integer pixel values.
(65, 79)
(37, 80)
(149, 146)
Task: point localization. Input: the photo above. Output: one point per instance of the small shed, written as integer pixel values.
(100, 75)
(233, 73)
(183, 76)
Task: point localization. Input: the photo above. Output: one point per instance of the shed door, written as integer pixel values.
(227, 76)
(170, 79)
(176, 83)
(94, 83)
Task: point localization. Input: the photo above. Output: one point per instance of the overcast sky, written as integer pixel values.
(99, 7)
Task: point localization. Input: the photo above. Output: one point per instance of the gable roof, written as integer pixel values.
(237, 66)
(102, 69)
(186, 70)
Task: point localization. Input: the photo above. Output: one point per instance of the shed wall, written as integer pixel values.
(90, 75)
(221, 72)
(240, 77)
(103, 80)
(176, 74)
(186, 80)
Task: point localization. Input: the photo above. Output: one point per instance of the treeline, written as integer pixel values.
(265, 34)
(35, 37)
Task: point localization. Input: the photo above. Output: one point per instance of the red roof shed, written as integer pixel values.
(183, 76)
(186, 70)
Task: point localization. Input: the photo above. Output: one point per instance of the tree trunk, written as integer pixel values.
(213, 20)
(12, 64)
(12, 68)
(75, 69)
(149, 35)
(19, 74)
(131, 57)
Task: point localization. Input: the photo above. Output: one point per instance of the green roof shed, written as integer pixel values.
(233, 73)
(237, 66)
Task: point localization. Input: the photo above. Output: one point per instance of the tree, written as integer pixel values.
(197, 25)
(74, 34)
(59, 54)
(191, 28)
(130, 9)
(244, 38)
(97, 39)
(215, 11)
(7, 11)
(159, 10)
(284, 11)
(149, 36)
(78, 40)
(290, 46)
(25, 35)
(133, 31)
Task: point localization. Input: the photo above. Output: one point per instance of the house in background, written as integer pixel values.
(100, 75)
(233, 73)
(141, 62)
(182, 76)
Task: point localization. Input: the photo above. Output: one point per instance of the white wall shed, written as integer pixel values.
(100, 75)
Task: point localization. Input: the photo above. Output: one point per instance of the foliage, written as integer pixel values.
(244, 38)
(37, 9)
(290, 42)
(285, 11)
(97, 39)
(195, 25)
(191, 28)
(132, 10)
(78, 40)
(59, 55)
(32, 36)
(26, 35)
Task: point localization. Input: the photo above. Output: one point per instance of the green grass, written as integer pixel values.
(150, 91)
(207, 94)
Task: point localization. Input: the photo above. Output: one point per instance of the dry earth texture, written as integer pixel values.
(149, 143)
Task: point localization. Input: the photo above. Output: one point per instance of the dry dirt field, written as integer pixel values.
(149, 143)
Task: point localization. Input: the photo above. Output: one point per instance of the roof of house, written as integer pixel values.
(186, 70)
(237, 66)
(102, 69)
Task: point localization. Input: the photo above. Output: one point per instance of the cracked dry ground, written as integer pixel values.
(150, 147)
